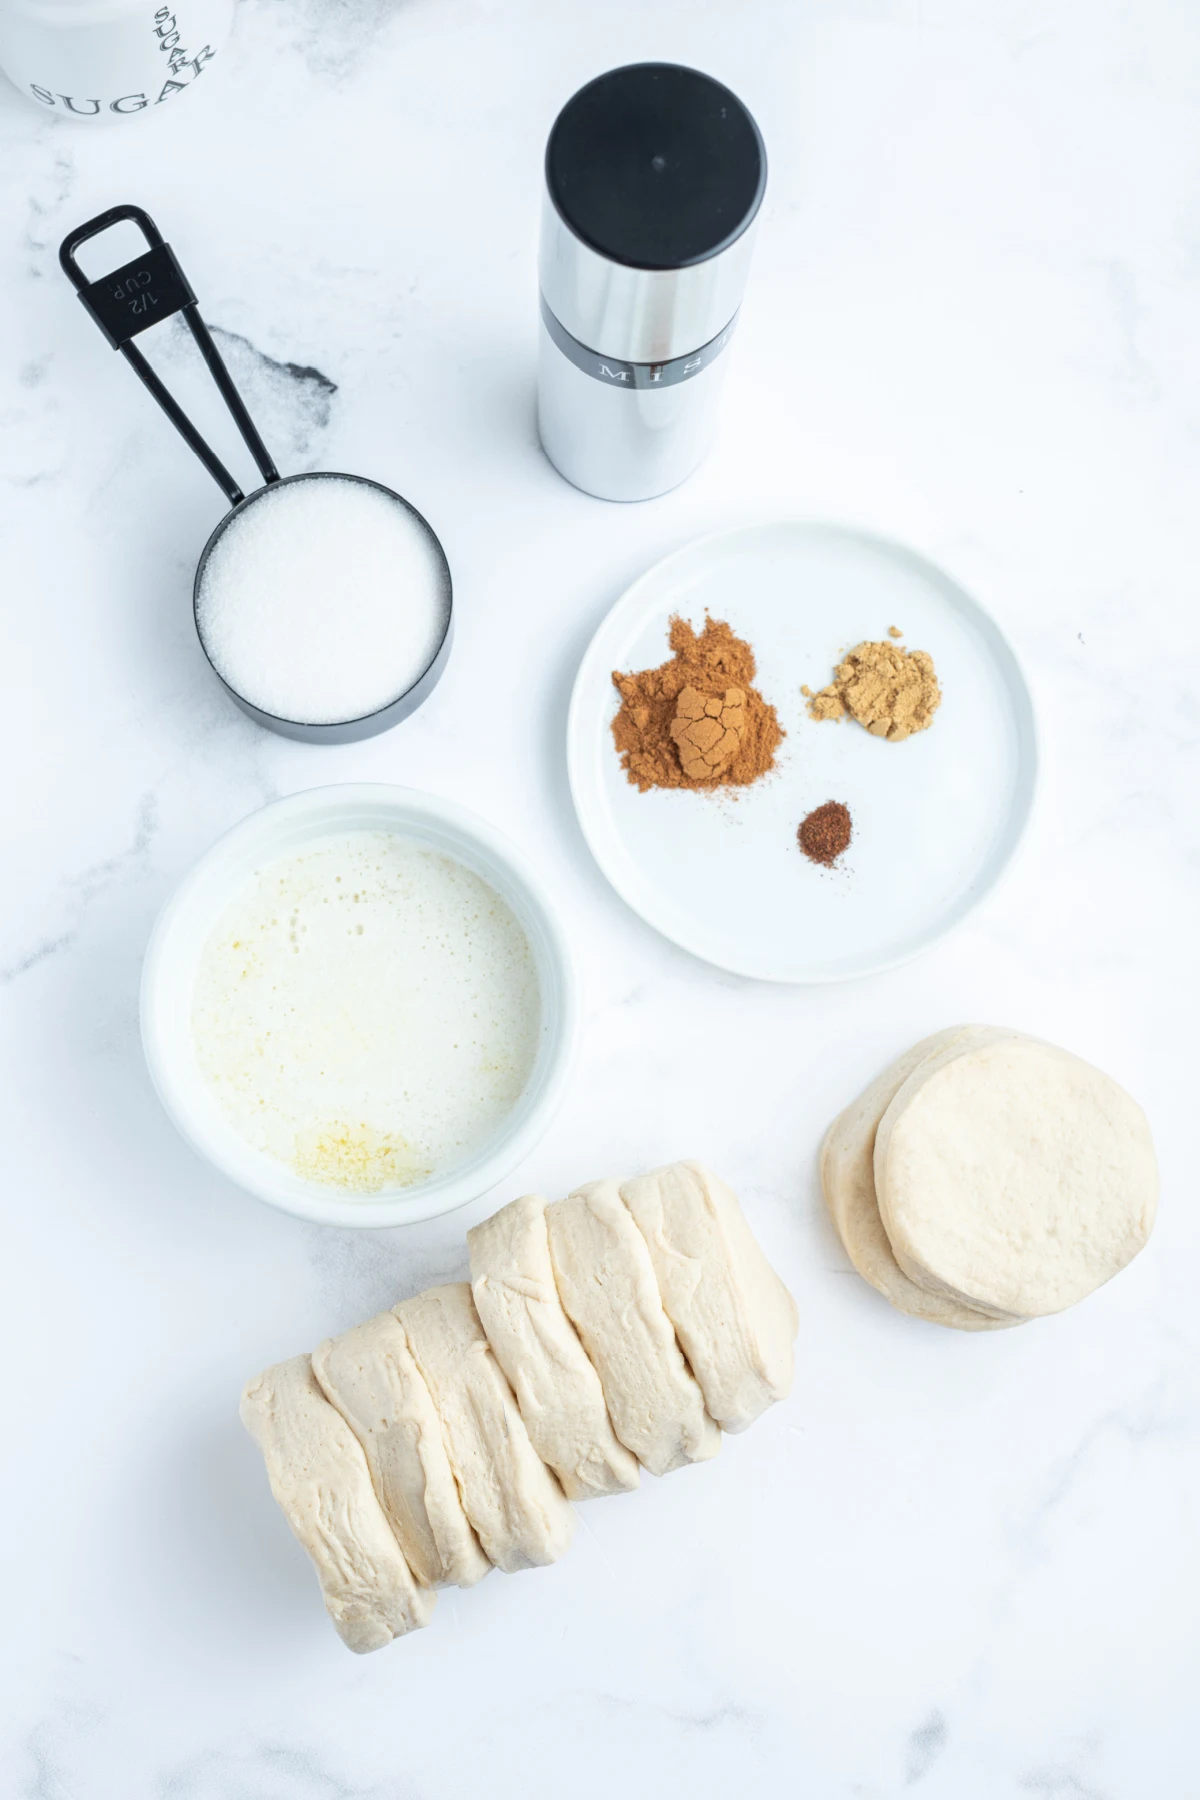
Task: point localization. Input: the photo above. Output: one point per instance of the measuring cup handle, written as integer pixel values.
(138, 295)
(115, 215)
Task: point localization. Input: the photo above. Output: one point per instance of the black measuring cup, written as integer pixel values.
(154, 287)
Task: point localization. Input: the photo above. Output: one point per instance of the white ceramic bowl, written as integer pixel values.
(173, 956)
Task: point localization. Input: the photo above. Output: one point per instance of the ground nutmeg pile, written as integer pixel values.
(825, 833)
(892, 692)
(696, 721)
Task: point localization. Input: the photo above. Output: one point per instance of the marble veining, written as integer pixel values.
(925, 1744)
(965, 1569)
(80, 890)
(291, 403)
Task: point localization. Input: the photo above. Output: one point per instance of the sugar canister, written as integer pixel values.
(654, 177)
(99, 60)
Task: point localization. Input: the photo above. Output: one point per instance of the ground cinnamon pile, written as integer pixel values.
(697, 721)
(890, 691)
(825, 833)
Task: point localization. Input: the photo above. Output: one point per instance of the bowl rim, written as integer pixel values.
(165, 1049)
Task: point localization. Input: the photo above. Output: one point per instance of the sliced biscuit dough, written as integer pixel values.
(1015, 1175)
(732, 1315)
(606, 1281)
(369, 1375)
(557, 1389)
(509, 1495)
(848, 1183)
(319, 1477)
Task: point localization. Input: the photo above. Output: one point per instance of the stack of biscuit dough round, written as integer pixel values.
(624, 1327)
(988, 1178)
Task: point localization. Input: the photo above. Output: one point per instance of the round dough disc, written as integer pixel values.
(848, 1183)
(1014, 1175)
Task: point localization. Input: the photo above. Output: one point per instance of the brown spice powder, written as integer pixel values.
(696, 721)
(825, 833)
(890, 691)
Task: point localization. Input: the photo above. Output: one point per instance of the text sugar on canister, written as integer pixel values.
(323, 600)
(94, 61)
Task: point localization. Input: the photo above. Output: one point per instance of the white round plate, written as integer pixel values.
(936, 818)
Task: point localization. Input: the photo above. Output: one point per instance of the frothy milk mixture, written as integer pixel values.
(367, 1011)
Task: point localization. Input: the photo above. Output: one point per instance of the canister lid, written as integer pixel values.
(656, 166)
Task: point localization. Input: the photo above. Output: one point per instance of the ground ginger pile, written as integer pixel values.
(890, 691)
(697, 721)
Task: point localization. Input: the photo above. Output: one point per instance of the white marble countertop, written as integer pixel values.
(964, 1566)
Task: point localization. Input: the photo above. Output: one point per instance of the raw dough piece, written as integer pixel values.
(557, 1389)
(319, 1477)
(508, 1493)
(848, 1183)
(369, 1375)
(1015, 1175)
(734, 1318)
(976, 1036)
(607, 1284)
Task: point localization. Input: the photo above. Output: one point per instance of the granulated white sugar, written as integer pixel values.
(324, 600)
(367, 1011)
